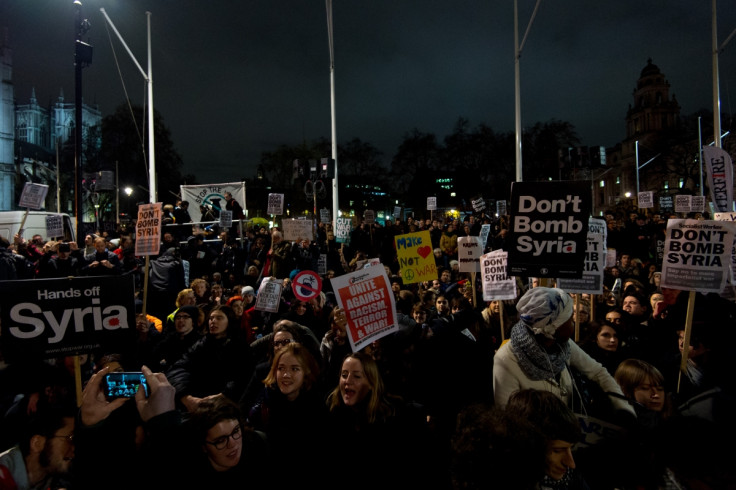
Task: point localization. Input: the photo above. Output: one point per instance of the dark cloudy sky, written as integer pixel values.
(234, 78)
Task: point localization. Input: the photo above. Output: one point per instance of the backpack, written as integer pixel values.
(8, 270)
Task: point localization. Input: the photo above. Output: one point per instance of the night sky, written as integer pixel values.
(233, 79)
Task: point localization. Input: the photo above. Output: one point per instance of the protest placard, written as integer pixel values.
(548, 228)
(369, 216)
(297, 229)
(148, 229)
(369, 305)
(343, 227)
(719, 169)
(49, 318)
(469, 251)
(324, 215)
(275, 204)
(697, 255)
(226, 218)
(54, 225)
(591, 281)
(497, 284)
(33, 195)
(416, 261)
(683, 203)
(269, 295)
(431, 203)
(646, 199)
(697, 204)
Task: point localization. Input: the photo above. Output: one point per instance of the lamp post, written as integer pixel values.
(82, 58)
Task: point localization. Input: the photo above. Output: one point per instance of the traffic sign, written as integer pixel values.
(306, 285)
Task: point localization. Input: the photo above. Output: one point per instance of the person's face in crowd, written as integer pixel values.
(565, 331)
(395, 287)
(218, 324)
(442, 305)
(58, 451)
(224, 444)
(275, 238)
(183, 323)
(559, 458)
(237, 307)
(495, 306)
(657, 279)
(280, 339)
(435, 283)
(248, 299)
(200, 289)
(655, 298)
(435, 224)
(681, 343)
(583, 314)
(188, 299)
(354, 387)
(632, 306)
(253, 270)
(613, 317)
(446, 276)
(450, 228)
(420, 316)
(289, 376)
(141, 323)
(168, 237)
(650, 394)
(300, 308)
(88, 241)
(607, 339)
(100, 245)
(216, 290)
(625, 261)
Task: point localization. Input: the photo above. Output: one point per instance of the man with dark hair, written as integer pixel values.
(181, 217)
(44, 453)
(102, 262)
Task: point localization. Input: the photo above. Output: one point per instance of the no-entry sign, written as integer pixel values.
(307, 285)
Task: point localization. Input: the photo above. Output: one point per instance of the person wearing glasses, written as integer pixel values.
(44, 452)
(176, 342)
(229, 453)
(221, 362)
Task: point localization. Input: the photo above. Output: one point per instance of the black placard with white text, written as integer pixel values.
(548, 228)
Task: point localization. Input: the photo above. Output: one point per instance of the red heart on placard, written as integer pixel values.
(424, 251)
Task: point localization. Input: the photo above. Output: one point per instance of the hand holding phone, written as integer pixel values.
(124, 384)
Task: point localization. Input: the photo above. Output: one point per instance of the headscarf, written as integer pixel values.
(544, 310)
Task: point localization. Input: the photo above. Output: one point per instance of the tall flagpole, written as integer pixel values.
(335, 200)
(149, 83)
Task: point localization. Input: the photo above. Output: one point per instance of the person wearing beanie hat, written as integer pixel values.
(187, 331)
(539, 354)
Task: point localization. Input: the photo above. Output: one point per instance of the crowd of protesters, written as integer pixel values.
(466, 394)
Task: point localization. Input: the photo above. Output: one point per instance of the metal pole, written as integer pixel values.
(517, 95)
(78, 189)
(151, 148)
(700, 155)
(335, 197)
(117, 194)
(716, 89)
(636, 147)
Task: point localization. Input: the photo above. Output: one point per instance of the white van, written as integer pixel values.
(35, 224)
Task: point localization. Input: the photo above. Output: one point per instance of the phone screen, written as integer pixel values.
(124, 385)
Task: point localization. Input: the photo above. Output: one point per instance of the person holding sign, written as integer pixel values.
(540, 353)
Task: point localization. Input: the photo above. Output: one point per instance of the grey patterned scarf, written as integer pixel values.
(536, 363)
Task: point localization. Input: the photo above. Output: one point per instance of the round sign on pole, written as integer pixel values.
(307, 285)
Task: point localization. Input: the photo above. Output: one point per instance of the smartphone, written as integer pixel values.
(124, 384)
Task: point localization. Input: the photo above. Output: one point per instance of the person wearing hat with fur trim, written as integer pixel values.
(539, 353)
